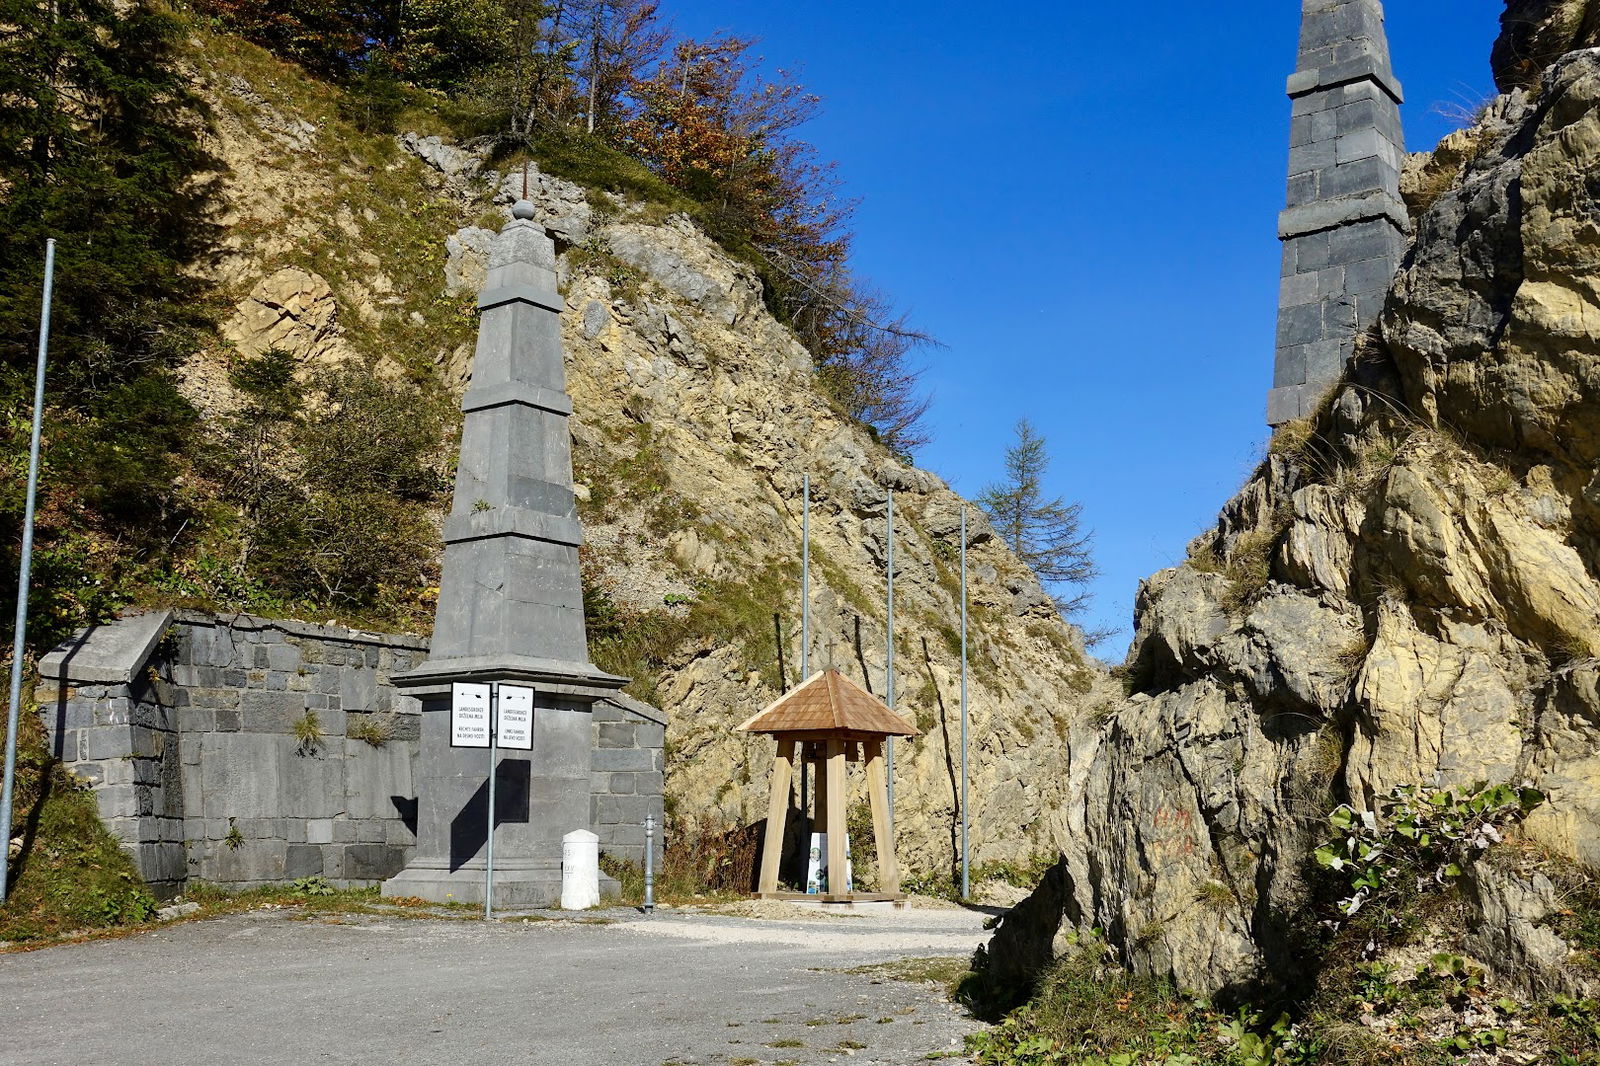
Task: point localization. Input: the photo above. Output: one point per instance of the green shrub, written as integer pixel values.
(1419, 837)
(641, 644)
(316, 885)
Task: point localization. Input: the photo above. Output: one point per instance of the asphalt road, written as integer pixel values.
(271, 987)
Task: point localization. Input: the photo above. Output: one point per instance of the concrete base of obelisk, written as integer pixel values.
(540, 796)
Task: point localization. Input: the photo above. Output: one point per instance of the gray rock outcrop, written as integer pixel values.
(1407, 591)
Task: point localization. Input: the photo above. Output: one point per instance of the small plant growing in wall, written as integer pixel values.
(234, 839)
(376, 731)
(308, 731)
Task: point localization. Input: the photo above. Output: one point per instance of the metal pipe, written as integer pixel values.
(805, 632)
(805, 579)
(966, 881)
(8, 791)
(888, 761)
(488, 864)
(649, 863)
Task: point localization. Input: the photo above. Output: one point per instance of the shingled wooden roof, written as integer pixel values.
(829, 702)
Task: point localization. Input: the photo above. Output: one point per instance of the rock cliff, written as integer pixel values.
(697, 414)
(1406, 591)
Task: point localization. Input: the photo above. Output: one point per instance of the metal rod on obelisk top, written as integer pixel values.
(888, 761)
(966, 882)
(805, 625)
(8, 791)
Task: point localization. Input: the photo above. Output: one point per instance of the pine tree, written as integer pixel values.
(1044, 532)
(99, 148)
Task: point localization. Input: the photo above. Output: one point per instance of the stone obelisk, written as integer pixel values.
(510, 604)
(1344, 230)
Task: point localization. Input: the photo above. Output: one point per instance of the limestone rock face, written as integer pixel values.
(1408, 590)
(290, 309)
(560, 206)
(454, 163)
(1535, 33)
(675, 362)
(696, 416)
(466, 260)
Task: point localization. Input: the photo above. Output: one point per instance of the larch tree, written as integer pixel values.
(1044, 531)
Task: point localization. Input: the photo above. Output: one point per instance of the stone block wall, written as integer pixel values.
(626, 776)
(246, 751)
(241, 750)
(304, 769)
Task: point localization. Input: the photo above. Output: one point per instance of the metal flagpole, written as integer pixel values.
(488, 863)
(966, 882)
(8, 791)
(889, 741)
(805, 636)
(805, 580)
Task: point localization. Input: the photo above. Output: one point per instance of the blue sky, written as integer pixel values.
(1080, 200)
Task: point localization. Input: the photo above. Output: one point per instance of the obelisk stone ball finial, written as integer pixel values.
(523, 210)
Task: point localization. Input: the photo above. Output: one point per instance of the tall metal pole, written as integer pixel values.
(8, 791)
(966, 881)
(889, 744)
(805, 637)
(805, 580)
(488, 862)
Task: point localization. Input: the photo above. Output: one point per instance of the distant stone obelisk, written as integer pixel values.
(510, 604)
(1345, 227)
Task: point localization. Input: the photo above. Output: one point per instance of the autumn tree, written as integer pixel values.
(1044, 531)
(442, 44)
(713, 124)
(622, 40)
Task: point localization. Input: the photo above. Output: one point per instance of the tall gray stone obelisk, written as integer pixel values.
(510, 604)
(1345, 227)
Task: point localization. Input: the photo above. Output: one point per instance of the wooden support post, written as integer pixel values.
(882, 831)
(777, 814)
(819, 800)
(837, 805)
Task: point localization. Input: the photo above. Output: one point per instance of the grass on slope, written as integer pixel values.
(71, 873)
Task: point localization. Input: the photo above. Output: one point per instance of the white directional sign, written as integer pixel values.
(469, 715)
(515, 729)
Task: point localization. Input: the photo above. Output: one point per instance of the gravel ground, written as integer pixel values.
(611, 989)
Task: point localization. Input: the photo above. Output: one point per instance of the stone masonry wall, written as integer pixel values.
(1343, 227)
(225, 750)
(626, 776)
(245, 751)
